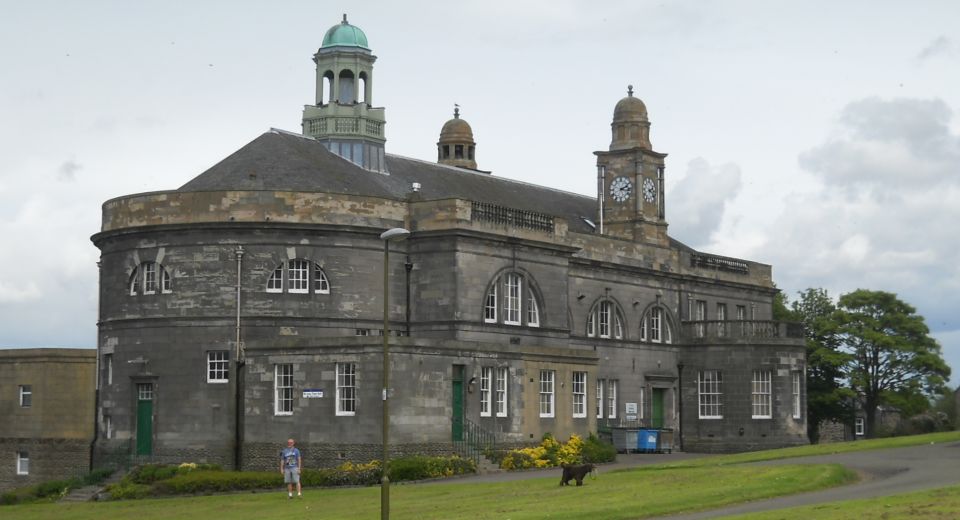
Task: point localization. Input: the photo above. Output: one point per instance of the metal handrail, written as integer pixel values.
(475, 441)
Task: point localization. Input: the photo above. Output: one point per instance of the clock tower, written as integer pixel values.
(630, 178)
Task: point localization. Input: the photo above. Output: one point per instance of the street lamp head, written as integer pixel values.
(395, 234)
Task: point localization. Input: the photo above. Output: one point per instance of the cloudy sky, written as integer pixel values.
(818, 136)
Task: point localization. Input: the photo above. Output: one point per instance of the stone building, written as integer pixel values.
(247, 306)
(47, 409)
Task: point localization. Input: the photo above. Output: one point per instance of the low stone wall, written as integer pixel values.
(50, 459)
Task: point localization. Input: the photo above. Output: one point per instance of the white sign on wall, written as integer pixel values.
(632, 408)
(313, 393)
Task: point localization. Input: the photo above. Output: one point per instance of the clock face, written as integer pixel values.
(649, 190)
(620, 189)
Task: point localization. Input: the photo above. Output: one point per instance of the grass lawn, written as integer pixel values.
(636, 493)
(937, 504)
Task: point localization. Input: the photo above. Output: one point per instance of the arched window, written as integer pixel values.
(149, 278)
(605, 321)
(655, 327)
(326, 88)
(512, 300)
(297, 276)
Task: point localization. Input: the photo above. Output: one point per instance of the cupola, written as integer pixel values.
(456, 146)
(630, 127)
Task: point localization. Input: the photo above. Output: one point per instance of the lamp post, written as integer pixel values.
(396, 235)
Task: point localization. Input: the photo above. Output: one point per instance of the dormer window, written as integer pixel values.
(298, 276)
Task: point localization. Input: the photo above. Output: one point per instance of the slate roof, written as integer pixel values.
(284, 161)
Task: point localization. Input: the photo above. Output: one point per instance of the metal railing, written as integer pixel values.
(719, 263)
(475, 442)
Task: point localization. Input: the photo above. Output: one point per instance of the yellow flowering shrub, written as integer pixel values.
(549, 453)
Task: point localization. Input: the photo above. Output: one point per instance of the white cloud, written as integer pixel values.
(698, 200)
(939, 46)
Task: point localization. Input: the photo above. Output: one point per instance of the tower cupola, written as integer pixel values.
(456, 146)
(343, 117)
(630, 127)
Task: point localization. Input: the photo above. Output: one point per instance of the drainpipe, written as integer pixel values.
(408, 266)
(96, 375)
(238, 386)
(680, 404)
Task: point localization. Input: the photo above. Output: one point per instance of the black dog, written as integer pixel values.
(571, 472)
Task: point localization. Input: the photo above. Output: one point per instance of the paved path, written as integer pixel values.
(884, 472)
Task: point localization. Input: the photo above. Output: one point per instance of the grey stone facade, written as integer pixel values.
(622, 307)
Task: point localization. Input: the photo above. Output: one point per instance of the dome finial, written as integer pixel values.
(629, 87)
(456, 111)
(344, 19)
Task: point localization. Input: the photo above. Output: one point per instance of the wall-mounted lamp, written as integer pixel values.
(470, 384)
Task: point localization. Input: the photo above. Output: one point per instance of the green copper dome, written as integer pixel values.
(345, 35)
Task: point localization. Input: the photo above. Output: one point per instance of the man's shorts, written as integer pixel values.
(291, 476)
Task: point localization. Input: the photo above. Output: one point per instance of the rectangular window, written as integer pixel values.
(108, 426)
(640, 406)
(346, 388)
(26, 396)
(458, 151)
(721, 317)
(490, 307)
(710, 394)
(164, 281)
(612, 399)
(218, 366)
(145, 391)
(742, 316)
(23, 463)
(599, 398)
(796, 394)
(655, 327)
(364, 332)
(502, 392)
(297, 276)
(283, 389)
(486, 374)
(701, 317)
(511, 300)
(579, 394)
(108, 367)
(760, 393)
(604, 319)
(546, 393)
(149, 278)
(858, 426)
(591, 326)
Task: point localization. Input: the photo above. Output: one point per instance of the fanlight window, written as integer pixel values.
(511, 300)
(295, 275)
(654, 326)
(149, 278)
(605, 321)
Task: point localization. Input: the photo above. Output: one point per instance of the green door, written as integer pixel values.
(144, 419)
(457, 428)
(656, 420)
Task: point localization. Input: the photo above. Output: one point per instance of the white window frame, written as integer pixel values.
(23, 462)
(321, 284)
(640, 406)
(701, 309)
(579, 390)
(490, 305)
(346, 389)
(501, 391)
(656, 325)
(795, 384)
(108, 426)
(761, 394)
(108, 361)
(859, 426)
(298, 276)
(547, 395)
(218, 366)
(165, 287)
(617, 324)
(533, 310)
(25, 393)
(486, 375)
(512, 290)
(612, 398)
(600, 398)
(145, 391)
(643, 328)
(742, 316)
(275, 282)
(603, 318)
(710, 394)
(721, 319)
(135, 281)
(591, 325)
(283, 389)
(150, 284)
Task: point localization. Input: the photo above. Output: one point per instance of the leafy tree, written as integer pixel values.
(827, 399)
(891, 348)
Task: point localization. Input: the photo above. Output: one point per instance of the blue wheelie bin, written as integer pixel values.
(647, 440)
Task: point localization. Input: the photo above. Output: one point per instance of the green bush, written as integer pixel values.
(420, 468)
(596, 450)
(127, 489)
(212, 481)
